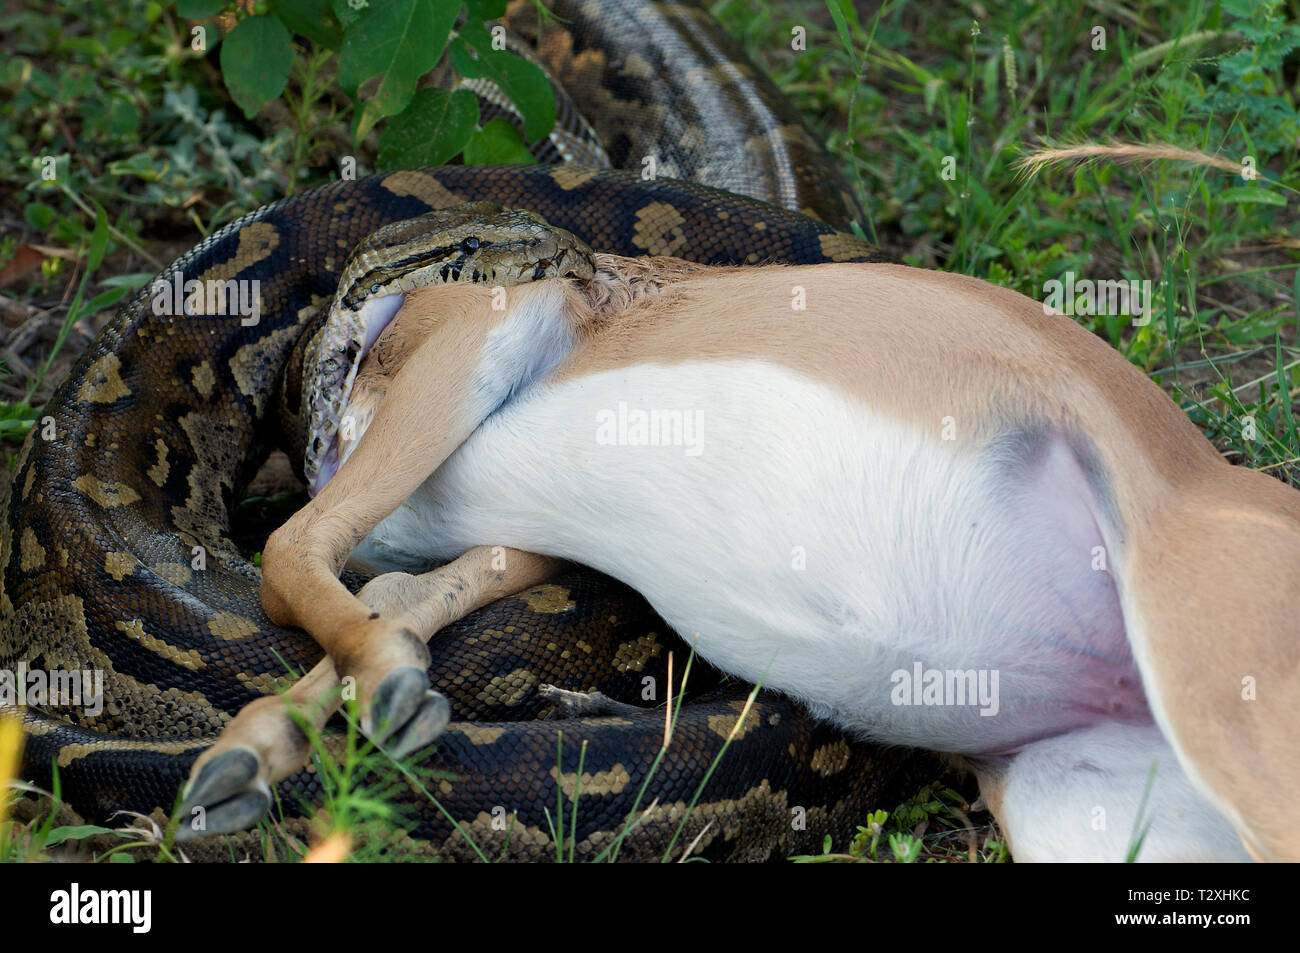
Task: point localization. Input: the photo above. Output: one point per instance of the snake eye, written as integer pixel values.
(469, 244)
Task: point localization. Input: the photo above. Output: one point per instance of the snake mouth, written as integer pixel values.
(477, 243)
(342, 345)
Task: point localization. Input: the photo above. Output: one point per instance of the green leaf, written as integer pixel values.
(61, 834)
(1283, 383)
(344, 13)
(498, 141)
(430, 131)
(400, 40)
(1252, 194)
(525, 84)
(313, 19)
(123, 117)
(485, 9)
(39, 215)
(1295, 293)
(98, 239)
(141, 165)
(105, 299)
(842, 28)
(130, 281)
(119, 39)
(199, 9)
(255, 61)
(83, 44)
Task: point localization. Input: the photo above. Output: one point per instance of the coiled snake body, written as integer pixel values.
(117, 556)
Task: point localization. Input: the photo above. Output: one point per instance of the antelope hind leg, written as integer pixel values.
(1214, 630)
(1210, 603)
(1102, 794)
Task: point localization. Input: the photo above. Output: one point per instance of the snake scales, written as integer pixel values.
(116, 548)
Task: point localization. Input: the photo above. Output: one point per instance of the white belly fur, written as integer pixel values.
(914, 549)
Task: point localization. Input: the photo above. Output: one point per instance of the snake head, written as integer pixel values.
(478, 242)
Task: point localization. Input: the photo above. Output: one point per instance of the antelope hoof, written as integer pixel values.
(404, 714)
(227, 795)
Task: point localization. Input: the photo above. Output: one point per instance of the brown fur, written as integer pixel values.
(1210, 554)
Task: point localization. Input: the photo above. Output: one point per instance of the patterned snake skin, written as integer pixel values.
(117, 557)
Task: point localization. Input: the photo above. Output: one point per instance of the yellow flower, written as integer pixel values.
(11, 749)
(333, 850)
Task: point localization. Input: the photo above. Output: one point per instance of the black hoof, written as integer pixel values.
(227, 796)
(405, 712)
(430, 721)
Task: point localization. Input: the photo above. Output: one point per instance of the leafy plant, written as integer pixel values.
(931, 825)
(1248, 85)
(384, 50)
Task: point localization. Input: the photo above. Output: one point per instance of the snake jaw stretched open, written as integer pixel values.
(477, 242)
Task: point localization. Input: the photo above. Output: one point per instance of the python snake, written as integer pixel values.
(116, 538)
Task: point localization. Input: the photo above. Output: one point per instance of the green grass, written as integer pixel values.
(933, 826)
(1220, 251)
(929, 113)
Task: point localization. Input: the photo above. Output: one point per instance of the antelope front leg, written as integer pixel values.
(447, 383)
(229, 787)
